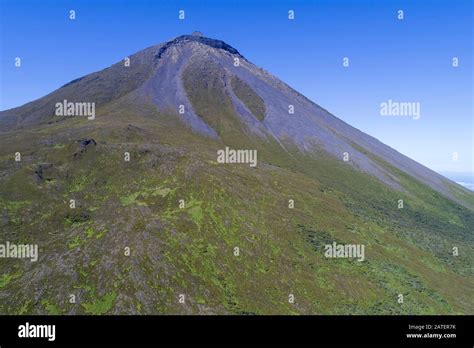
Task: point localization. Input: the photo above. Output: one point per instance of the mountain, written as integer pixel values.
(160, 225)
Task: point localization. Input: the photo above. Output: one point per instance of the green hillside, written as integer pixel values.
(190, 250)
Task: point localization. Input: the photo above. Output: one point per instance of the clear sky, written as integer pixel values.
(406, 60)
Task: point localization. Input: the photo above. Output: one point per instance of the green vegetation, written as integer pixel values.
(5, 279)
(140, 197)
(247, 95)
(50, 307)
(205, 89)
(191, 250)
(101, 305)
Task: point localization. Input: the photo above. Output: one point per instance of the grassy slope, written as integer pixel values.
(190, 250)
(248, 96)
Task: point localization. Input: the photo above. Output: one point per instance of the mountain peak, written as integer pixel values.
(197, 36)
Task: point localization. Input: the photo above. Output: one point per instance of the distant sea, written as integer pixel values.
(464, 179)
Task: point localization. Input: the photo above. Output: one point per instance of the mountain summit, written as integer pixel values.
(186, 170)
(192, 69)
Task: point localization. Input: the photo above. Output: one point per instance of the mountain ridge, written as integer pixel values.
(311, 126)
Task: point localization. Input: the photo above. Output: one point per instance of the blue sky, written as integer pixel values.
(408, 60)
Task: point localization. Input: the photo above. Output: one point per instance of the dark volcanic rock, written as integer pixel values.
(85, 144)
(40, 171)
(201, 39)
